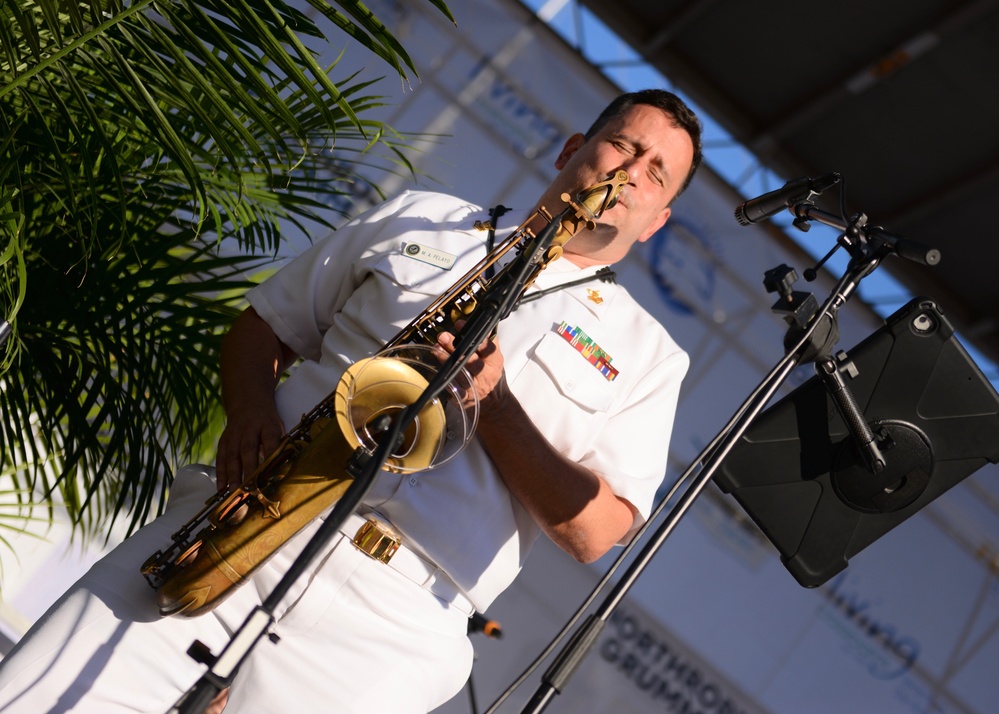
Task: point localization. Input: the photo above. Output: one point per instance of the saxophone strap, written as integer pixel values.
(604, 275)
(495, 213)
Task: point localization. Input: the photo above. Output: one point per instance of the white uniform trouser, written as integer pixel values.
(355, 637)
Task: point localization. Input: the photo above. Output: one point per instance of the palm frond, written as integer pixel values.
(150, 158)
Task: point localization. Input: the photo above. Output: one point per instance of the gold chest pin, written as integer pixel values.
(594, 296)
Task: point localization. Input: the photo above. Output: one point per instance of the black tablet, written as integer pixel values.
(798, 472)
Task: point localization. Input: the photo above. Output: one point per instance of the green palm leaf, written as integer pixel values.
(150, 157)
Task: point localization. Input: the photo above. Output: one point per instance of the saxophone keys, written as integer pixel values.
(271, 508)
(231, 510)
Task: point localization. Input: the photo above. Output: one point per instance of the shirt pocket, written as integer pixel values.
(413, 275)
(398, 289)
(574, 377)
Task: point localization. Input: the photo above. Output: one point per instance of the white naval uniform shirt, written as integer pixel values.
(350, 293)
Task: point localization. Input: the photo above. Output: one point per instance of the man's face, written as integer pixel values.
(657, 157)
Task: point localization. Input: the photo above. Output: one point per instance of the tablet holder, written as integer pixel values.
(880, 432)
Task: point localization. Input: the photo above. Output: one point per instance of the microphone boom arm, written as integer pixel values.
(857, 233)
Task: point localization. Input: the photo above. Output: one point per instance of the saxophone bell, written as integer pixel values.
(383, 386)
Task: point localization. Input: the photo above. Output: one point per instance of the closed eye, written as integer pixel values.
(629, 148)
(624, 147)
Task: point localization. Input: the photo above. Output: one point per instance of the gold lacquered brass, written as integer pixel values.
(374, 540)
(235, 533)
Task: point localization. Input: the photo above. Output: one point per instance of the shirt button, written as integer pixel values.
(569, 386)
(413, 480)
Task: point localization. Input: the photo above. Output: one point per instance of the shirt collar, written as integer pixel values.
(595, 294)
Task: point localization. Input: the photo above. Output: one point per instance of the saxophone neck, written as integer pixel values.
(590, 203)
(581, 211)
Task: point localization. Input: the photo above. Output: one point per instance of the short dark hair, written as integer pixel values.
(683, 118)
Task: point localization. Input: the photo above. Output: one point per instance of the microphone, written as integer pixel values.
(481, 623)
(756, 209)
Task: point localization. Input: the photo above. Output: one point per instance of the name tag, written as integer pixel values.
(429, 255)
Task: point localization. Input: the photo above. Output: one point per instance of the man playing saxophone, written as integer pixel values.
(563, 389)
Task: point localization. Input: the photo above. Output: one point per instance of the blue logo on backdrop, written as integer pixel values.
(885, 652)
(682, 265)
(508, 110)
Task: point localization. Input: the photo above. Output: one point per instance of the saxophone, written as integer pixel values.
(237, 531)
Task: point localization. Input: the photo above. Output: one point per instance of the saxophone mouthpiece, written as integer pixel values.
(602, 196)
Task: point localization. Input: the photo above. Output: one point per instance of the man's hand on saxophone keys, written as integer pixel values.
(253, 359)
(485, 367)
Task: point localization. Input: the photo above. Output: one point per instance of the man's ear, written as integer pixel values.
(658, 223)
(572, 145)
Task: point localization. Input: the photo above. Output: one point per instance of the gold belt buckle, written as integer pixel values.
(375, 540)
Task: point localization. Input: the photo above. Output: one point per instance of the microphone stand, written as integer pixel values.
(496, 303)
(811, 335)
